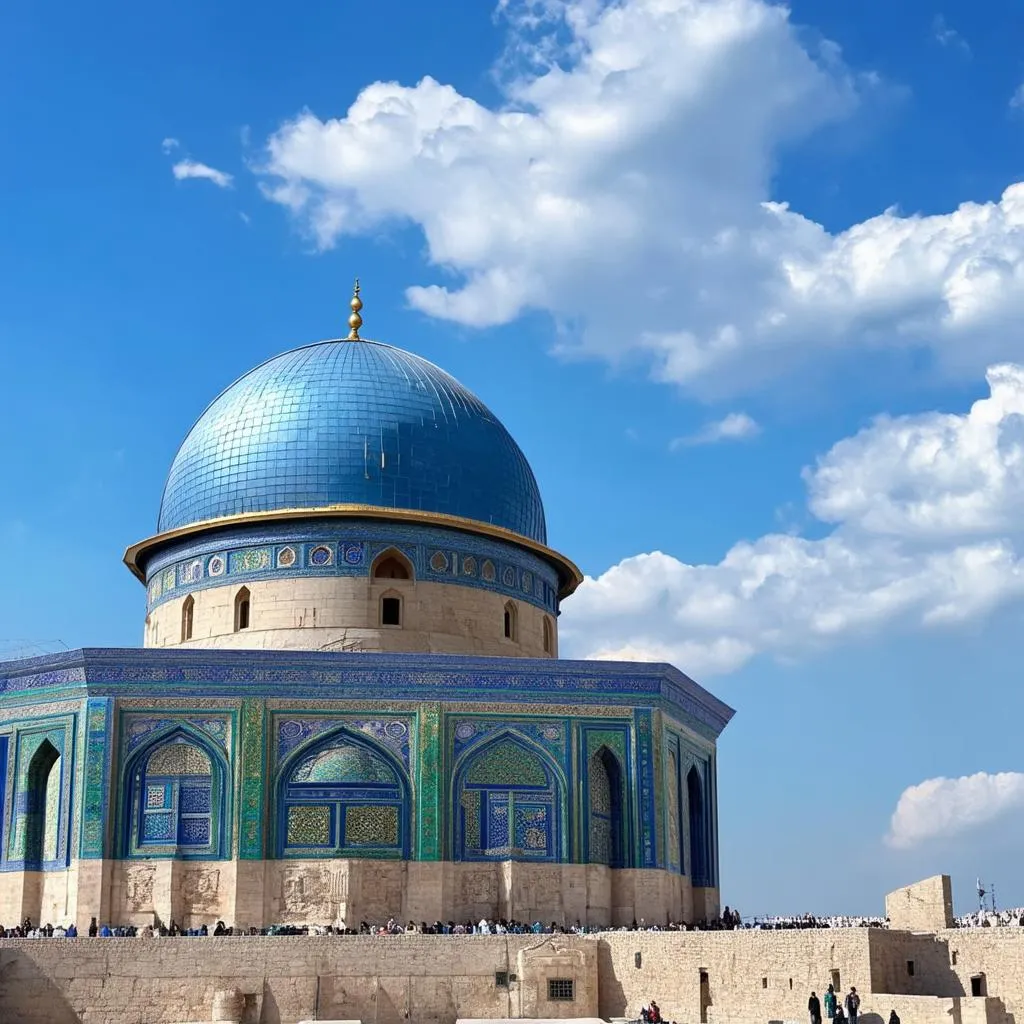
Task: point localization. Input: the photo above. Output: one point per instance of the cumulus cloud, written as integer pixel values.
(736, 426)
(635, 155)
(193, 169)
(1017, 99)
(925, 513)
(939, 808)
(169, 145)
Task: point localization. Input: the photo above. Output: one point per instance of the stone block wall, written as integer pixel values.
(925, 906)
(282, 980)
(744, 977)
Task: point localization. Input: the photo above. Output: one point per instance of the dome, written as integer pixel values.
(351, 423)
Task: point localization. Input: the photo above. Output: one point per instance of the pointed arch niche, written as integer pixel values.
(343, 796)
(509, 797)
(698, 828)
(38, 834)
(392, 565)
(177, 798)
(604, 803)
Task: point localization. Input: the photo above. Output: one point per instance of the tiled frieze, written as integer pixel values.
(330, 548)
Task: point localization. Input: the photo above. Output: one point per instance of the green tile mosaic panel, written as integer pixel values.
(96, 777)
(250, 832)
(507, 764)
(672, 798)
(179, 759)
(51, 813)
(471, 813)
(371, 826)
(309, 826)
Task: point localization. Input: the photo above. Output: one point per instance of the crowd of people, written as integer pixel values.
(992, 919)
(814, 921)
(730, 919)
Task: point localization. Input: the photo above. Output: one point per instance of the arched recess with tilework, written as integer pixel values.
(343, 795)
(605, 802)
(177, 798)
(42, 807)
(509, 802)
(698, 828)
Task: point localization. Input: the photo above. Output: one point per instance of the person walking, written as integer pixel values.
(830, 1003)
(814, 1008)
(852, 1005)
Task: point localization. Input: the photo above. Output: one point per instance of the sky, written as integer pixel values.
(744, 281)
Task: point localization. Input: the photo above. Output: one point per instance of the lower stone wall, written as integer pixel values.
(743, 977)
(388, 980)
(248, 894)
(748, 976)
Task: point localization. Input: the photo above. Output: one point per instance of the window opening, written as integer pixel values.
(511, 626)
(390, 611)
(561, 990)
(705, 996)
(187, 614)
(242, 610)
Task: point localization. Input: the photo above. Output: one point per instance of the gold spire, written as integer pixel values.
(355, 321)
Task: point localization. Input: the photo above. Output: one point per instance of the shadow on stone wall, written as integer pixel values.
(28, 996)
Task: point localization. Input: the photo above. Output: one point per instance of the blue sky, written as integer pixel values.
(689, 252)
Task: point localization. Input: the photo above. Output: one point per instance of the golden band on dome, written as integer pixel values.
(569, 575)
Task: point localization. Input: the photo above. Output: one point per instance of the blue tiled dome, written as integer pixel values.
(351, 422)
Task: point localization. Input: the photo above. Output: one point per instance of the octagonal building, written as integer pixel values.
(349, 704)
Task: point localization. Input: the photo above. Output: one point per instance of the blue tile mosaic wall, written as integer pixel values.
(342, 794)
(175, 786)
(342, 422)
(413, 777)
(332, 547)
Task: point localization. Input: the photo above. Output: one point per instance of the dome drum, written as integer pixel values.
(325, 547)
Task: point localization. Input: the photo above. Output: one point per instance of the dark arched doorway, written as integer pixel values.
(698, 829)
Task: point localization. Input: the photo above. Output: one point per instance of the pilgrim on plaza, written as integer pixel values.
(349, 703)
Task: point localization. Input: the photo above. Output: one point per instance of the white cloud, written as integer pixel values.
(948, 36)
(169, 145)
(736, 426)
(193, 169)
(637, 159)
(1017, 99)
(927, 520)
(940, 808)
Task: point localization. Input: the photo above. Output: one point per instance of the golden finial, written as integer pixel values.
(355, 321)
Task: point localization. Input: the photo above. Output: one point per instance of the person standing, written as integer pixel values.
(852, 1005)
(830, 1003)
(814, 1008)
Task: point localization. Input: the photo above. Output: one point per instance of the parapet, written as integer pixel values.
(925, 906)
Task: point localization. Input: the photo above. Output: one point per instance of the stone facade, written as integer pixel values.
(744, 977)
